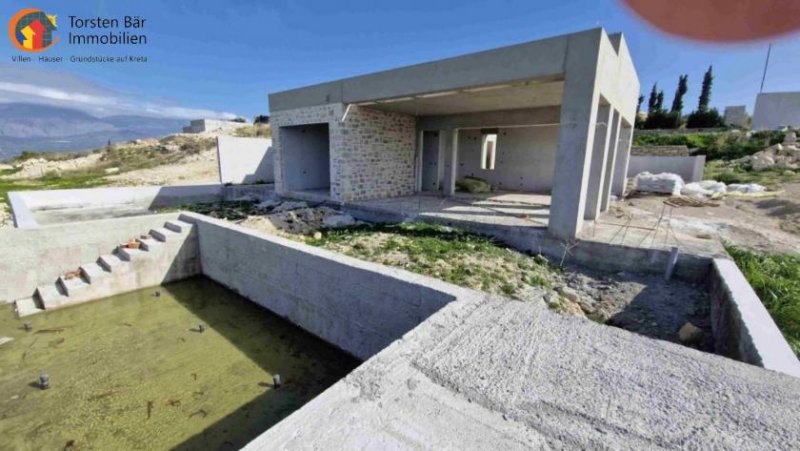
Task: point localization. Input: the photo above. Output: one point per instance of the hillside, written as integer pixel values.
(36, 127)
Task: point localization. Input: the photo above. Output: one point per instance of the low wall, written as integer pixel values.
(357, 306)
(33, 208)
(689, 168)
(33, 257)
(743, 328)
(245, 160)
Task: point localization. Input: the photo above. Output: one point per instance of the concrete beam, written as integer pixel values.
(576, 137)
(540, 59)
(509, 118)
(597, 171)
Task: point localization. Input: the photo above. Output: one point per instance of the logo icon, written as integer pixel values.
(31, 30)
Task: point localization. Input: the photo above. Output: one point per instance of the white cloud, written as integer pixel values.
(101, 104)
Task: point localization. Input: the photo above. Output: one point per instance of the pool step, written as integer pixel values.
(164, 234)
(124, 269)
(93, 272)
(113, 264)
(28, 306)
(178, 226)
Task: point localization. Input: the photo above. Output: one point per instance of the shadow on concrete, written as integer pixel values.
(307, 365)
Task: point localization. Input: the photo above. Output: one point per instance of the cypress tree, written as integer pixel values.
(651, 102)
(683, 87)
(705, 92)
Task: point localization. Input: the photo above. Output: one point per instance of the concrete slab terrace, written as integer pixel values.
(486, 373)
(529, 213)
(388, 131)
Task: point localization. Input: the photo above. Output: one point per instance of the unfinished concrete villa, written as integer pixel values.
(551, 117)
(417, 312)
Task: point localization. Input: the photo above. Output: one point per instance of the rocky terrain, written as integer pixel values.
(784, 155)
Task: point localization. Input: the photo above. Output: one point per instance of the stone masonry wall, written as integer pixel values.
(375, 155)
(372, 152)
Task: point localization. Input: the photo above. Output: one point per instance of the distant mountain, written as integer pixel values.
(25, 126)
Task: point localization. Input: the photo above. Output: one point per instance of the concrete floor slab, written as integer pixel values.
(530, 212)
(488, 373)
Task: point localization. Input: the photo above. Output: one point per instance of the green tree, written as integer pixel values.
(705, 117)
(660, 101)
(705, 91)
(677, 101)
(651, 102)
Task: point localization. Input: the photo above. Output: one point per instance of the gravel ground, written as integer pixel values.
(643, 303)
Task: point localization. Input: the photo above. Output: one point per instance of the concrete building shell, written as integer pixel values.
(562, 109)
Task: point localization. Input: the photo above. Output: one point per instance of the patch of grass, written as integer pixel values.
(254, 131)
(452, 255)
(728, 172)
(776, 279)
(51, 181)
(715, 146)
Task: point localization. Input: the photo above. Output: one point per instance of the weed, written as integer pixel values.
(776, 280)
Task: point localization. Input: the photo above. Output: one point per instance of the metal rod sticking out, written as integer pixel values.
(276, 381)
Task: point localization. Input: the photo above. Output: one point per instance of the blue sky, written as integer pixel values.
(223, 57)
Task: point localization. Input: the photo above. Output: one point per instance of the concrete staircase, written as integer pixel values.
(121, 271)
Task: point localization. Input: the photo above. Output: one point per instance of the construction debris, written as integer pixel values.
(473, 185)
(665, 182)
(706, 188)
(682, 201)
(785, 155)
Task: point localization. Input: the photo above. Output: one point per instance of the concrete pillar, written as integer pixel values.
(623, 158)
(611, 161)
(575, 137)
(449, 145)
(597, 168)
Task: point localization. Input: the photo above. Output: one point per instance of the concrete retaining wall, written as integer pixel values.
(690, 168)
(33, 208)
(33, 257)
(245, 160)
(743, 328)
(358, 306)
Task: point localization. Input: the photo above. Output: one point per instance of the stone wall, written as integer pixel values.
(374, 155)
(371, 151)
(660, 151)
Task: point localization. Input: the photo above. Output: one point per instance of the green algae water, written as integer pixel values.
(135, 372)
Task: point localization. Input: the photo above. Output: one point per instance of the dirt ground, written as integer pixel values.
(193, 170)
(770, 224)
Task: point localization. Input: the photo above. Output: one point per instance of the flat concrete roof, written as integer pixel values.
(541, 61)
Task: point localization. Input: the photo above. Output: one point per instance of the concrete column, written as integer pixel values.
(597, 169)
(575, 137)
(623, 158)
(449, 145)
(611, 161)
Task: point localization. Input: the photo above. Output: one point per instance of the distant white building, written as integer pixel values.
(777, 109)
(736, 115)
(213, 125)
